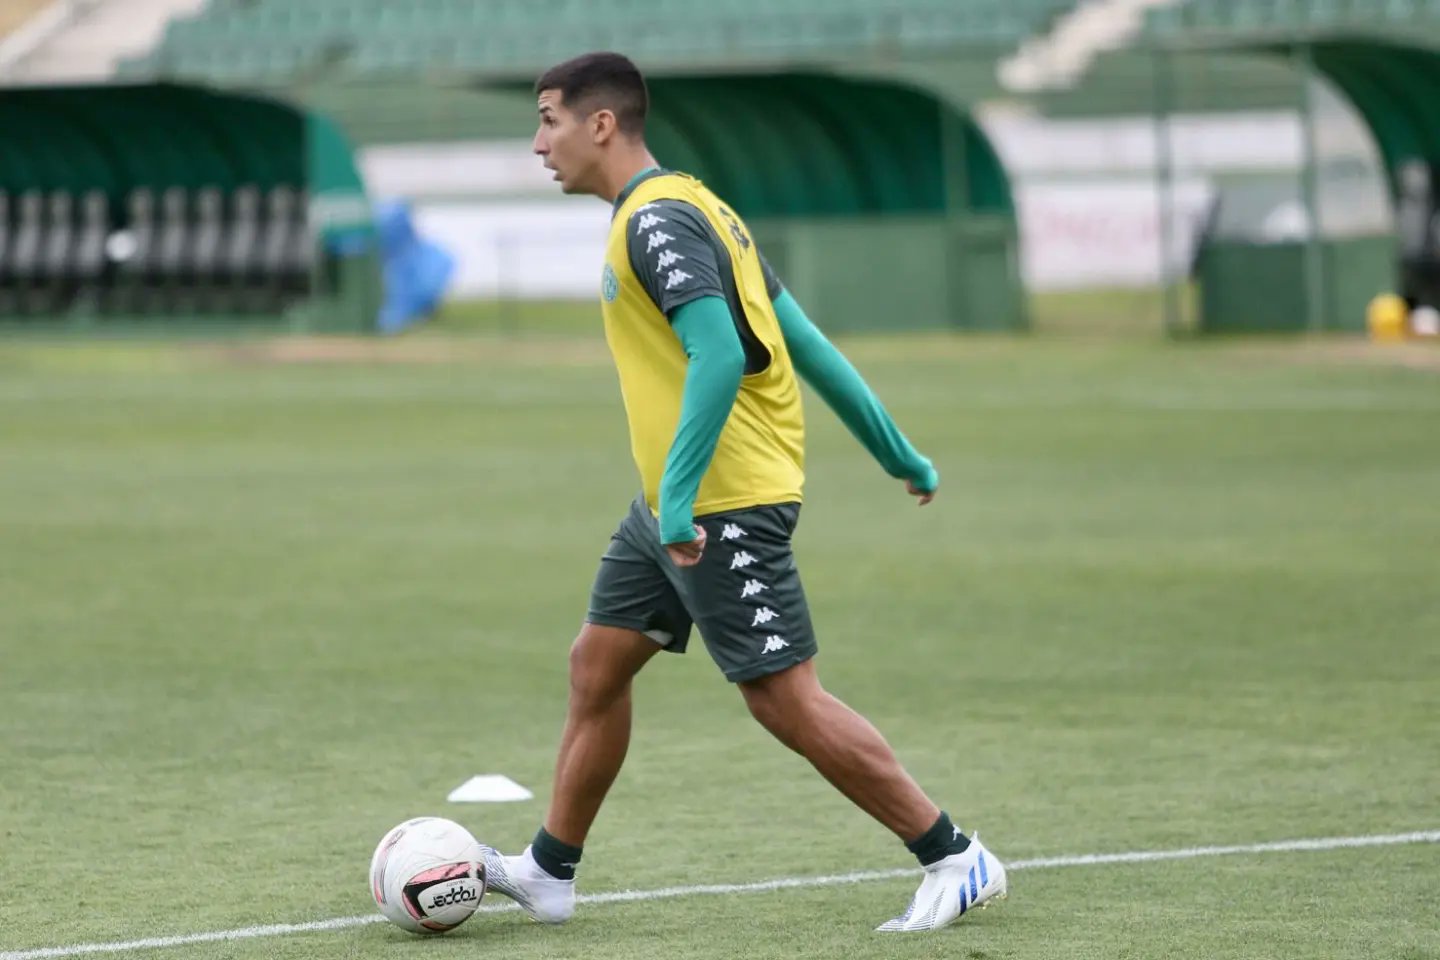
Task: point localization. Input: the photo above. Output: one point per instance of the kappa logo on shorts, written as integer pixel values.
(763, 615)
(741, 559)
(774, 643)
(732, 531)
(751, 588)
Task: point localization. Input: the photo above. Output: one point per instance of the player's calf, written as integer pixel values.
(843, 746)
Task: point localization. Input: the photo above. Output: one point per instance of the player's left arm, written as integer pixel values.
(840, 385)
(672, 254)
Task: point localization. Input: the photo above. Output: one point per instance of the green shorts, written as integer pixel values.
(744, 594)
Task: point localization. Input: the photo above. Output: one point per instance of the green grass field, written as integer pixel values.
(258, 603)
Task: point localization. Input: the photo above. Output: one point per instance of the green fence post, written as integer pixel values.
(1163, 68)
(1315, 307)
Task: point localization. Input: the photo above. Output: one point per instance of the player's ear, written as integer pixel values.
(603, 126)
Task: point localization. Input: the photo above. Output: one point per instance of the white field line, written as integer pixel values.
(714, 889)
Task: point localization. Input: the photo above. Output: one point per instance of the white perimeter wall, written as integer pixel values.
(1085, 190)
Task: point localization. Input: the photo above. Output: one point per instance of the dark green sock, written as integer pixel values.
(555, 858)
(939, 842)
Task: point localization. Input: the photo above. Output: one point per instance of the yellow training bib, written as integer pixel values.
(760, 455)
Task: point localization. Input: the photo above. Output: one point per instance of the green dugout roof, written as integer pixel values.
(1394, 86)
(153, 135)
(119, 138)
(815, 145)
(1397, 91)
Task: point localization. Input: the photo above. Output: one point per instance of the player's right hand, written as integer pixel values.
(923, 482)
(688, 554)
(925, 495)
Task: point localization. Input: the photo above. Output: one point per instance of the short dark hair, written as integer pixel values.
(601, 81)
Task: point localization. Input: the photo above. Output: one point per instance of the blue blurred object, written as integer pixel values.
(417, 271)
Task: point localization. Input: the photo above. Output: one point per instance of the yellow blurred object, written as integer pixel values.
(1385, 317)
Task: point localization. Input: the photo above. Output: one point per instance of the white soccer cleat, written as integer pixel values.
(546, 898)
(960, 882)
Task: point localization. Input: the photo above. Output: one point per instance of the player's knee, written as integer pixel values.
(596, 680)
(591, 683)
(766, 710)
(782, 705)
(785, 721)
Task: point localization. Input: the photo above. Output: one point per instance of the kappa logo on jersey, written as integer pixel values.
(668, 259)
(751, 588)
(763, 615)
(647, 221)
(658, 239)
(774, 643)
(731, 532)
(741, 559)
(676, 278)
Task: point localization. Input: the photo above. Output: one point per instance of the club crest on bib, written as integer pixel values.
(609, 284)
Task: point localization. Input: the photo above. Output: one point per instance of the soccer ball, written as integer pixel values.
(427, 875)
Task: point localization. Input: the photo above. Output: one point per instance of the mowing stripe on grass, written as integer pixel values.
(784, 883)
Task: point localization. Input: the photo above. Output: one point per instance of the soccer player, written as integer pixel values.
(709, 347)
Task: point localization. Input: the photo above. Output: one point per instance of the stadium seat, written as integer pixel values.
(271, 39)
(1252, 17)
(133, 292)
(209, 232)
(28, 248)
(54, 276)
(90, 260)
(180, 252)
(173, 258)
(241, 247)
(7, 304)
(285, 245)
